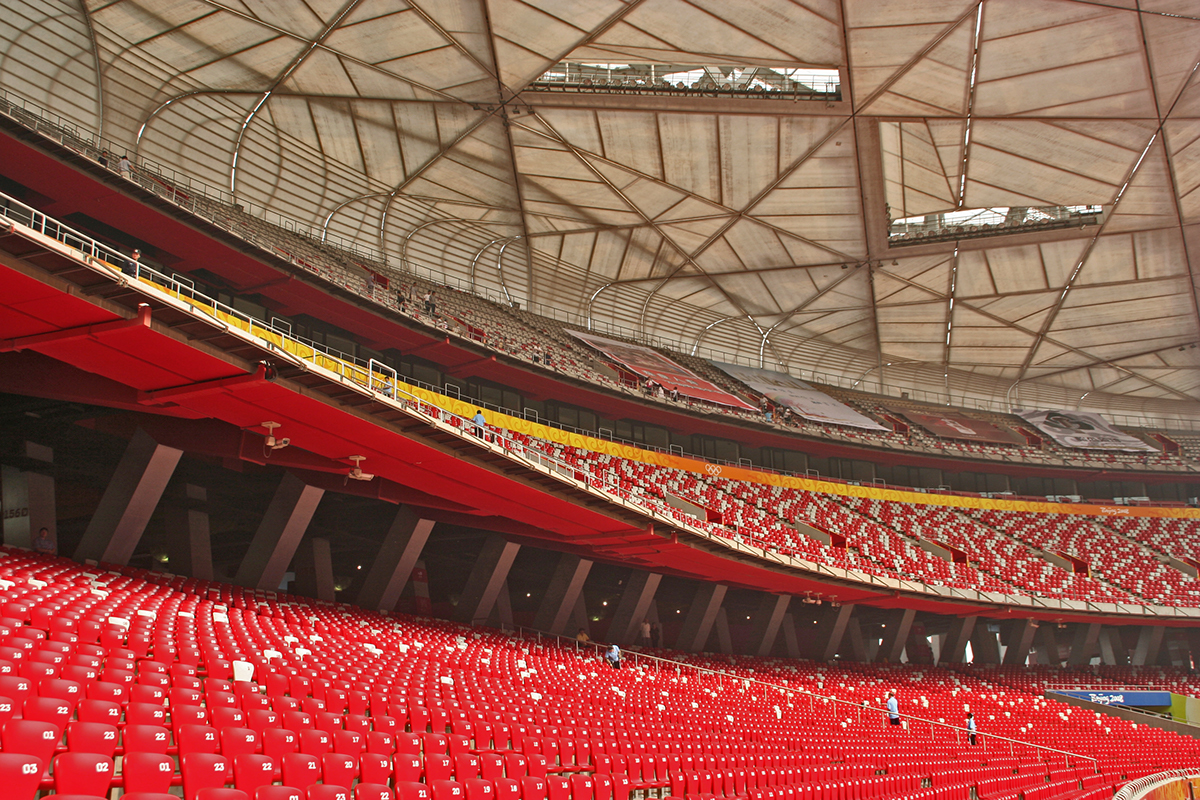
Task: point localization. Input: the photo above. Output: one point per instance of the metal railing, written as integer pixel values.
(638, 659)
(990, 222)
(1135, 790)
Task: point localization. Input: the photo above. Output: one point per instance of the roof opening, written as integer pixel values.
(791, 83)
(971, 223)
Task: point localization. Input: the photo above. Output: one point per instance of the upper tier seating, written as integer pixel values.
(1001, 551)
(141, 666)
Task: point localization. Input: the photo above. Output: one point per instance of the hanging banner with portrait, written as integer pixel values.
(1082, 430)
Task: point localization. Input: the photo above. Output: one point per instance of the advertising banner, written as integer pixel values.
(1117, 697)
(657, 367)
(950, 425)
(1082, 430)
(799, 396)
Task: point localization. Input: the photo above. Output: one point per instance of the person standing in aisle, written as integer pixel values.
(971, 727)
(893, 709)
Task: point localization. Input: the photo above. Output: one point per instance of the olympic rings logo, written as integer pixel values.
(713, 469)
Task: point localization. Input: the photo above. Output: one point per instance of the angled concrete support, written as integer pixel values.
(955, 650)
(790, 643)
(1112, 649)
(394, 564)
(562, 592)
(633, 606)
(1083, 644)
(29, 500)
(486, 580)
(854, 637)
(1149, 644)
(895, 635)
(279, 534)
(822, 641)
(188, 532)
(502, 614)
(985, 645)
(1047, 639)
(314, 570)
(129, 499)
(1020, 640)
(724, 639)
(699, 619)
(767, 619)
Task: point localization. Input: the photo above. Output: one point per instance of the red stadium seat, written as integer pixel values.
(83, 773)
(92, 737)
(203, 771)
(251, 771)
(20, 775)
(147, 772)
(32, 738)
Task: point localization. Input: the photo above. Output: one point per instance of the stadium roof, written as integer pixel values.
(746, 220)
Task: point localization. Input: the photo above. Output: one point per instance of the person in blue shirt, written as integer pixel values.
(613, 657)
(893, 709)
(480, 421)
(971, 727)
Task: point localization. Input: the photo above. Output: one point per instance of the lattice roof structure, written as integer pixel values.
(732, 215)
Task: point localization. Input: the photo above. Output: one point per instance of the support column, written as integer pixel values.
(955, 651)
(28, 500)
(1149, 643)
(822, 641)
(1112, 649)
(724, 639)
(767, 619)
(188, 532)
(130, 498)
(314, 570)
(502, 614)
(698, 622)
(1020, 640)
(895, 635)
(985, 645)
(394, 564)
(486, 579)
(279, 534)
(633, 605)
(1083, 645)
(563, 590)
(854, 637)
(790, 643)
(1048, 645)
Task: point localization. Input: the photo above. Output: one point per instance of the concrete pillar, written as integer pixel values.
(790, 643)
(393, 566)
(28, 500)
(822, 641)
(1047, 640)
(314, 570)
(129, 499)
(1149, 643)
(1112, 649)
(767, 619)
(579, 615)
(486, 579)
(955, 650)
(279, 534)
(724, 639)
(1083, 644)
(854, 638)
(701, 614)
(985, 645)
(562, 592)
(1020, 640)
(895, 635)
(632, 607)
(188, 533)
(502, 616)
